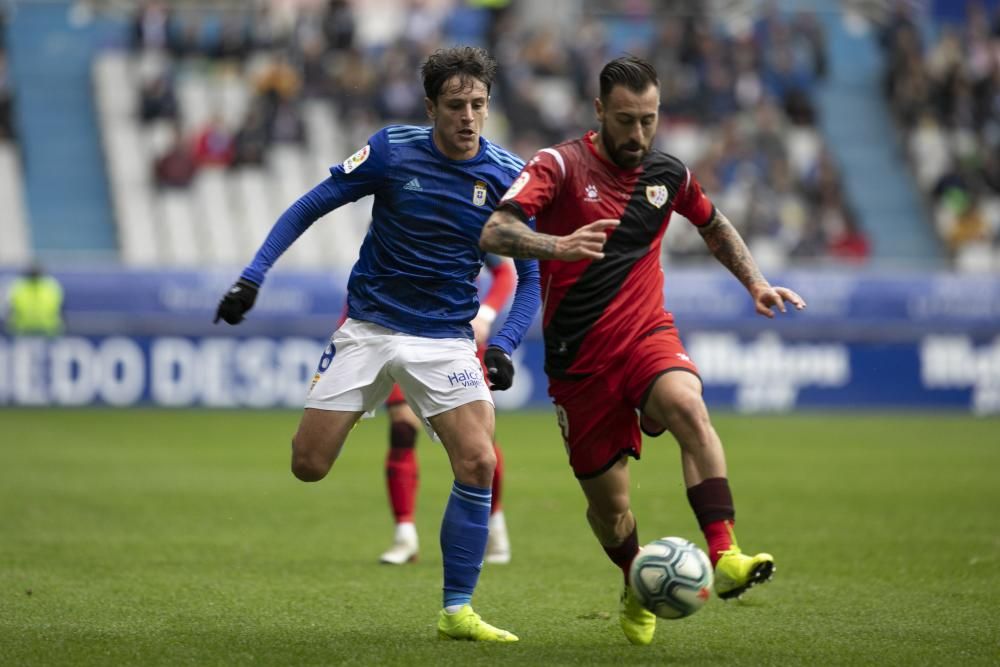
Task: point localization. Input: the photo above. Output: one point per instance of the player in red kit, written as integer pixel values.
(402, 473)
(612, 353)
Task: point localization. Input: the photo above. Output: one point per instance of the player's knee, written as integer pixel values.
(307, 470)
(307, 466)
(686, 410)
(479, 466)
(610, 521)
(607, 518)
(402, 434)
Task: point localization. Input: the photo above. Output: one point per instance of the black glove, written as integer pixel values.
(236, 302)
(499, 368)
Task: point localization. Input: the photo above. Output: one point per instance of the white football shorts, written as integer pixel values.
(363, 360)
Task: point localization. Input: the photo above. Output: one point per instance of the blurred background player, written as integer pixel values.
(411, 299)
(35, 304)
(602, 204)
(402, 474)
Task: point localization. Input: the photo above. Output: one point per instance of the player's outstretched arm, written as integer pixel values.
(309, 208)
(728, 247)
(506, 234)
(236, 302)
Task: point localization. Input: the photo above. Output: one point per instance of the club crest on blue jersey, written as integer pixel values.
(479, 193)
(356, 160)
(657, 195)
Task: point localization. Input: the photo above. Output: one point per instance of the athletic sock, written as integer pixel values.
(712, 502)
(402, 472)
(497, 480)
(463, 541)
(719, 535)
(623, 554)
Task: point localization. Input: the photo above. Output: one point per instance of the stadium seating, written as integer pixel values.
(223, 216)
(942, 84)
(740, 107)
(538, 100)
(16, 247)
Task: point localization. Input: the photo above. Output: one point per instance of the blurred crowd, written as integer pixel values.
(267, 52)
(743, 99)
(6, 85)
(944, 90)
(738, 102)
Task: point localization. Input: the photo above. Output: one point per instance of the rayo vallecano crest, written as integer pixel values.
(479, 193)
(657, 195)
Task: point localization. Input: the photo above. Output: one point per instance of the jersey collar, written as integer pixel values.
(437, 151)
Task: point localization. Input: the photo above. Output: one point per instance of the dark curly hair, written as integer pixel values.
(467, 62)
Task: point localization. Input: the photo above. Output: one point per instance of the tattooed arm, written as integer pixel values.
(505, 234)
(728, 247)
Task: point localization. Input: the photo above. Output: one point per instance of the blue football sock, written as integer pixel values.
(463, 541)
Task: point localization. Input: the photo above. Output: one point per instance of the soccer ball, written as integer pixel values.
(671, 577)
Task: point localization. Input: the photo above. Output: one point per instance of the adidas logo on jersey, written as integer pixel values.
(414, 185)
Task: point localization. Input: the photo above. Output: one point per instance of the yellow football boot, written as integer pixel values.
(466, 624)
(638, 623)
(736, 572)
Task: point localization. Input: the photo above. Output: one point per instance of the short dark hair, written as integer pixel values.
(632, 72)
(467, 62)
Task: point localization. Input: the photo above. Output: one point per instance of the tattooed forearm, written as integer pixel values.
(505, 234)
(728, 247)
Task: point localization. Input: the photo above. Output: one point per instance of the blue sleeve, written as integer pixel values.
(364, 172)
(357, 176)
(527, 299)
(309, 208)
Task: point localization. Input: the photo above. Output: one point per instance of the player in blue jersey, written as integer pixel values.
(411, 297)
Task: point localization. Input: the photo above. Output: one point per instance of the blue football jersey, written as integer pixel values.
(418, 264)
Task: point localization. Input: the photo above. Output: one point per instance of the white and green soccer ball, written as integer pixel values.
(671, 577)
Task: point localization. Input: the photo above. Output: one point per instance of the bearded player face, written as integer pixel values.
(628, 124)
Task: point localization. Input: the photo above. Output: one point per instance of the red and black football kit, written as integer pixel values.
(607, 334)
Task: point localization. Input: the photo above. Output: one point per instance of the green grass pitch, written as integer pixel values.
(151, 537)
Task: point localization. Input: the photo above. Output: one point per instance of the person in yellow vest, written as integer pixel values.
(34, 304)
